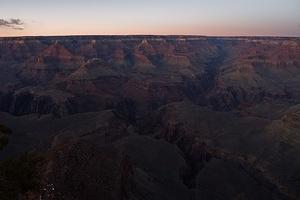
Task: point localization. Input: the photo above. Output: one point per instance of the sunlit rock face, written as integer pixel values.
(155, 117)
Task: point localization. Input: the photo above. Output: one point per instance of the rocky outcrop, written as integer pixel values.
(114, 172)
(207, 137)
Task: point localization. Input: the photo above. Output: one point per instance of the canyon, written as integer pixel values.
(154, 117)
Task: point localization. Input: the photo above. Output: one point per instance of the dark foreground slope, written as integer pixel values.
(154, 117)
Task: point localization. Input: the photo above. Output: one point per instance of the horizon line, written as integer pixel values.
(152, 35)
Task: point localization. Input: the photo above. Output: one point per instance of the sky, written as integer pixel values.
(157, 17)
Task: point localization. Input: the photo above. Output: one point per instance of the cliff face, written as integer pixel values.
(155, 117)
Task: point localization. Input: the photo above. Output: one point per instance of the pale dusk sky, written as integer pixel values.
(167, 17)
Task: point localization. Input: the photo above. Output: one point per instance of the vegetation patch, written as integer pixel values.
(4, 132)
(19, 175)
